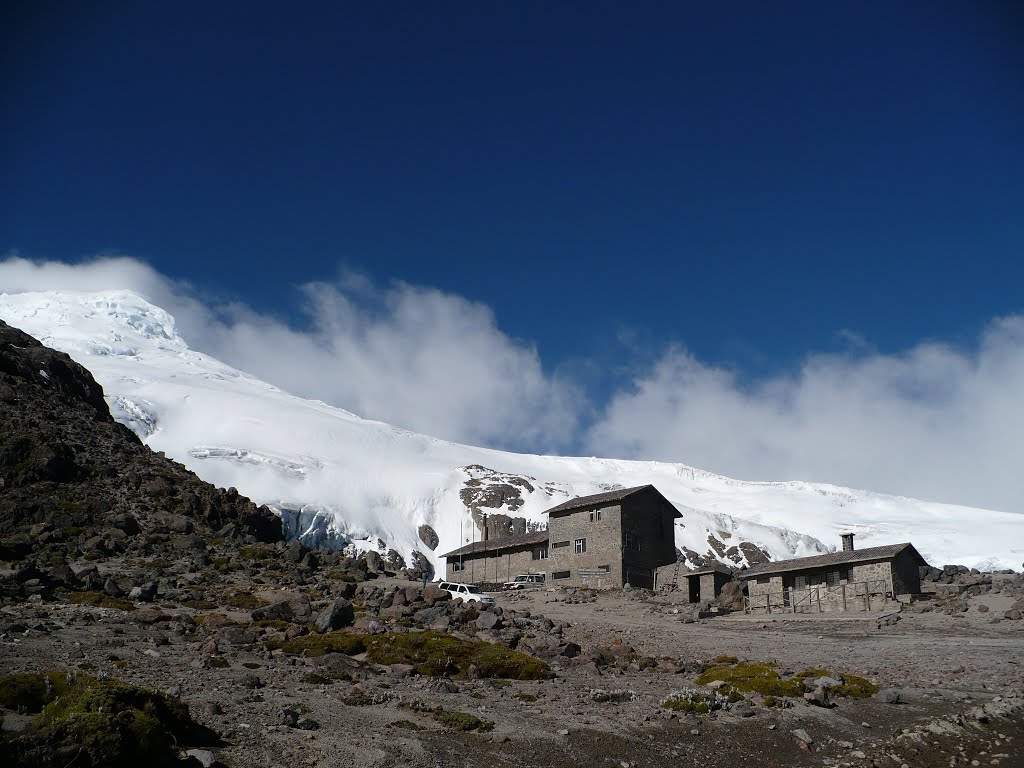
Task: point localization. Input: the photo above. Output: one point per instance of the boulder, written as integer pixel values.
(338, 614)
(433, 594)
(429, 537)
(487, 620)
(374, 562)
(889, 696)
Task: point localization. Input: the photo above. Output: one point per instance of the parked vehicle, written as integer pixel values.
(465, 592)
(525, 581)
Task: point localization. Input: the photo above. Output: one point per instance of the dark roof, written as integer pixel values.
(606, 497)
(496, 545)
(714, 568)
(835, 558)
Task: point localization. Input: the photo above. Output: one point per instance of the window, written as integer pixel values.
(595, 514)
(558, 544)
(632, 541)
(458, 565)
(463, 588)
(605, 568)
(800, 582)
(540, 553)
(560, 575)
(764, 579)
(581, 546)
(832, 578)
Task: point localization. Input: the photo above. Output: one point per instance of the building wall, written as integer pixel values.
(906, 578)
(760, 589)
(652, 519)
(711, 585)
(604, 539)
(819, 597)
(490, 567)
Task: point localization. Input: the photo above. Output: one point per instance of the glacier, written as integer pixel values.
(339, 480)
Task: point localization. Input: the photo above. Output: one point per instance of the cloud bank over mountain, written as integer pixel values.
(935, 421)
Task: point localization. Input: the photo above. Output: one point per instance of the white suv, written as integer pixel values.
(465, 592)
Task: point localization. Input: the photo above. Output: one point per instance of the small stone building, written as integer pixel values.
(849, 580)
(706, 584)
(601, 541)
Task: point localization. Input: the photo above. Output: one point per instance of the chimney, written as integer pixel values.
(847, 542)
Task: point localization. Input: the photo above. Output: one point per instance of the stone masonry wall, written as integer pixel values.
(488, 567)
(603, 546)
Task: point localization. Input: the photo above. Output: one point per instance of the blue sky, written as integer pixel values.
(749, 186)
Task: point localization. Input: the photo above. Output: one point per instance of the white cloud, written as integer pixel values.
(935, 422)
(415, 357)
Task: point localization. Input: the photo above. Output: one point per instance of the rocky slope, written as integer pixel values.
(74, 481)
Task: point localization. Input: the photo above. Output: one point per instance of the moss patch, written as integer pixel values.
(319, 645)
(30, 692)
(855, 687)
(407, 725)
(461, 721)
(852, 686)
(752, 678)
(433, 654)
(100, 600)
(245, 600)
(86, 721)
(437, 654)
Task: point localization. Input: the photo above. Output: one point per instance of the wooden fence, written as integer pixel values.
(820, 598)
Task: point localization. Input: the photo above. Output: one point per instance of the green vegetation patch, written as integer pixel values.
(694, 702)
(199, 605)
(363, 699)
(256, 552)
(433, 654)
(407, 725)
(86, 721)
(100, 600)
(438, 654)
(245, 600)
(852, 686)
(752, 678)
(329, 642)
(461, 721)
(31, 691)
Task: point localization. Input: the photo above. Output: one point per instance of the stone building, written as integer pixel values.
(706, 583)
(849, 580)
(498, 560)
(601, 541)
(699, 585)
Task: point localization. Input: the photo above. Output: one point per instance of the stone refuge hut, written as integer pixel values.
(706, 583)
(700, 585)
(848, 580)
(602, 541)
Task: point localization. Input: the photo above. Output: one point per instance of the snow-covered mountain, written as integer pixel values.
(342, 480)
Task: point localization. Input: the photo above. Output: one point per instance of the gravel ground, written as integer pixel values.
(945, 668)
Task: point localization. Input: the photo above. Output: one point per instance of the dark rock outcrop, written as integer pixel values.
(73, 479)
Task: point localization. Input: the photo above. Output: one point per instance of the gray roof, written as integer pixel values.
(713, 568)
(497, 545)
(606, 497)
(887, 552)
